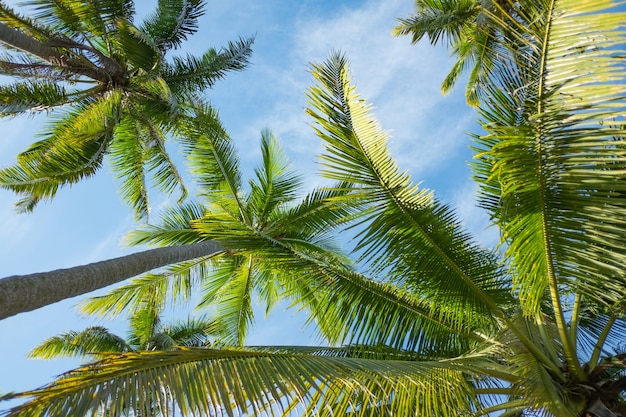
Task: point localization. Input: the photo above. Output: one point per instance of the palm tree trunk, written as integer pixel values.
(23, 42)
(21, 293)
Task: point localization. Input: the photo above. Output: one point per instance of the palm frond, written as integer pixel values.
(542, 388)
(553, 151)
(73, 150)
(81, 18)
(439, 21)
(127, 155)
(211, 156)
(138, 49)
(177, 280)
(172, 226)
(275, 184)
(29, 26)
(318, 217)
(172, 22)
(229, 290)
(145, 320)
(194, 331)
(228, 382)
(27, 97)
(405, 230)
(94, 341)
(191, 74)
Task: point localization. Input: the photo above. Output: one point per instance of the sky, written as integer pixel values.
(87, 222)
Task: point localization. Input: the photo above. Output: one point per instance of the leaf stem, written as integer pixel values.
(597, 349)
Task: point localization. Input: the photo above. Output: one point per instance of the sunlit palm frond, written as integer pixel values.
(541, 387)
(177, 280)
(166, 176)
(314, 277)
(127, 155)
(348, 307)
(145, 320)
(318, 215)
(439, 21)
(15, 20)
(172, 226)
(98, 43)
(172, 22)
(194, 331)
(223, 382)
(210, 153)
(74, 150)
(553, 152)
(464, 26)
(138, 50)
(276, 183)
(229, 291)
(129, 297)
(80, 18)
(406, 231)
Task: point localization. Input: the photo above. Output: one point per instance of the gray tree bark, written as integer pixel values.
(21, 293)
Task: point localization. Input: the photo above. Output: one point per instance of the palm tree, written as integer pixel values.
(263, 229)
(428, 322)
(244, 224)
(146, 333)
(118, 93)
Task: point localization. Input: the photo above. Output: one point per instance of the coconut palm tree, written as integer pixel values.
(146, 333)
(428, 322)
(259, 228)
(115, 90)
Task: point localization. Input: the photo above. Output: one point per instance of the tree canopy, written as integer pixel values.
(420, 319)
(112, 87)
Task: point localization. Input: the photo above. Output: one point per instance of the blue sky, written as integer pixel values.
(87, 222)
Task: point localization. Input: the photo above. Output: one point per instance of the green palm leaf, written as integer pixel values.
(30, 96)
(65, 157)
(94, 341)
(552, 154)
(406, 230)
(189, 74)
(178, 281)
(202, 382)
(276, 183)
(81, 17)
(173, 21)
(23, 23)
(98, 45)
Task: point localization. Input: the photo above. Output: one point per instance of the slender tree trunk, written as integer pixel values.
(21, 293)
(26, 43)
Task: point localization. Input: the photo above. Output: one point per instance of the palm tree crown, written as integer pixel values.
(118, 92)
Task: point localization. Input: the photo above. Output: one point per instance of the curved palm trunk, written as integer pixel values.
(26, 43)
(21, 293)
